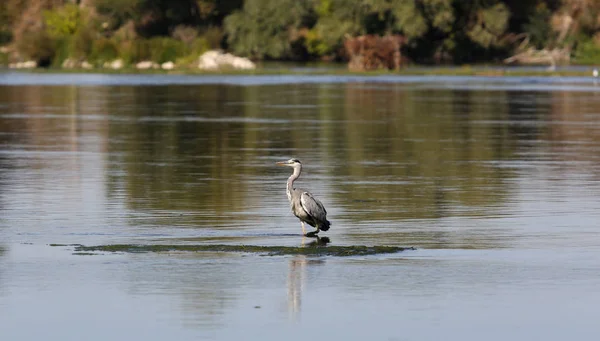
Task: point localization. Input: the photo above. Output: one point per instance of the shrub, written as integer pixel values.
(127, 50)
(587, 52)
(539, 28)
(194, 50)
(5, 36)
(81, 43)
(126, 32)
(3, 58)
(315, 45)
(37, 45)
(186, 34)
(63, 21)
(371, 52)
(160, 50)
(199, 46)
(213, 36)
(71, 31)
(62, 48)
(166, 49)
(103, 50)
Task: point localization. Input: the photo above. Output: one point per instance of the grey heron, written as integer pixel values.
(304, 205)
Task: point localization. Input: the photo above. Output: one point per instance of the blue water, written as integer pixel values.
(493, 180)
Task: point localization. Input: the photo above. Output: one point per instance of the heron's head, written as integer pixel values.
(290, 163)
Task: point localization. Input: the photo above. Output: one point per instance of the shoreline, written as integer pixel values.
(334, 70)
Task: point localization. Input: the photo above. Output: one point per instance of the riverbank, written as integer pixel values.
(341, 70)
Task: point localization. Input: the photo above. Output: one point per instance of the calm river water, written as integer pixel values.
(495, 181)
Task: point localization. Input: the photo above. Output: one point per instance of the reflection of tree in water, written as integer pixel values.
(574, 134)
(419, 153)
(205, 287)
(384, 151)
(206, 306)
(2, 270)
(527, 112)
(422, 153)
(388, 152)
(57, 134)
(5, 165)
(179, 149)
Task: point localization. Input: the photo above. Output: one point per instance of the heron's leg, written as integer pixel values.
(303, 229)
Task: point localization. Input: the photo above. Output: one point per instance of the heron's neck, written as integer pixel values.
(290, 181)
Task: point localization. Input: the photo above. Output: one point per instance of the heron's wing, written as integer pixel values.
(313, 206)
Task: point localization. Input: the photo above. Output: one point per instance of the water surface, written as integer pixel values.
(494, 181)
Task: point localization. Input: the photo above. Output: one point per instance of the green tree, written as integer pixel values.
(5, 24)
(430, 26)
(266, 28)
(117, 12)
(454, 30)
(336, 19)
(151, 17)
(212, 12)
(488, 24)
(63, 21)
(538, 28)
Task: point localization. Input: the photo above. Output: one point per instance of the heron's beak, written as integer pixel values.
(281, 163)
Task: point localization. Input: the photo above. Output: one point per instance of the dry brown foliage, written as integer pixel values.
(371, 52)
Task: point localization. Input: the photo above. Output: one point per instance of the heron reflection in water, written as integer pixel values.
(297, 274)
(296, 284)
(304, 205)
